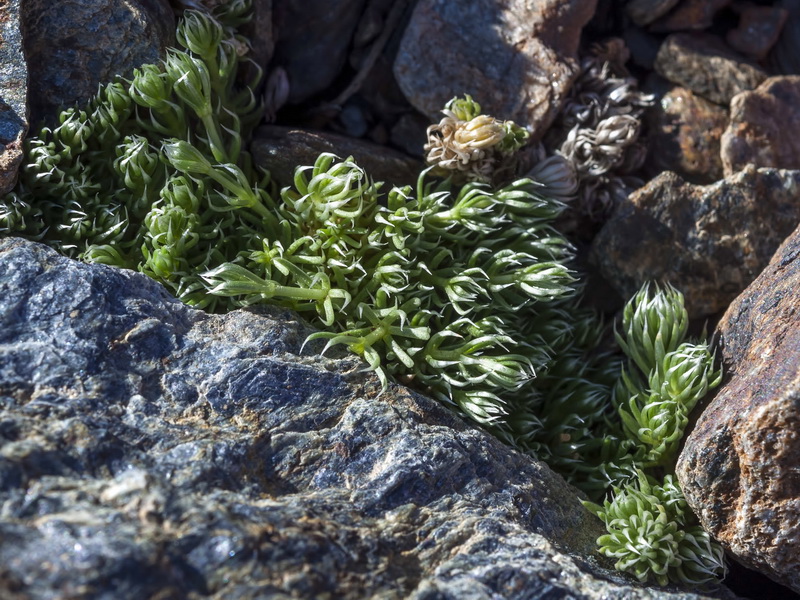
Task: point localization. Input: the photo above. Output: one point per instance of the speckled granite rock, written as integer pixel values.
(708, 241)
(517, 58)
(739, 467)
(684, 136)
(764, 128)
(13, 92)
(282, 149)
(151, 450)
(73, 46)
(704, 64)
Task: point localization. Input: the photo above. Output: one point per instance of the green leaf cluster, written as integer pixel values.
(666, 375)
(651, 531)
(653, 535)
(429, 285)
(151, 172)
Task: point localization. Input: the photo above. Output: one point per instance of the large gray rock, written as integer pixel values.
(740, 466)
(13, 92)
(73, 46)
(517, 58)
(708, 241)
(151, 449)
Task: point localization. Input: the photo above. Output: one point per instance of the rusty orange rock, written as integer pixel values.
(740, 466)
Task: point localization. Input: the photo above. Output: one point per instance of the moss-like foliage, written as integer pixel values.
(463, 291)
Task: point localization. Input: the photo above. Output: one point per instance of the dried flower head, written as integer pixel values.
(472, 146)
(598, 129)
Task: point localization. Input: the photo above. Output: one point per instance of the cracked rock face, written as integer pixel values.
(147, 448)
(739, 467)
(13, 95)
(704, 64)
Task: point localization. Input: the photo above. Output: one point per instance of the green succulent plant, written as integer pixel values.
(666, 376)
(457, 287)
(653, 535)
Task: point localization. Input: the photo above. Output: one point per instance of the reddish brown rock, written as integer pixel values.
(281, 149)
(764, 128)
(517, 58)
(691, 14)
(703, 63)
(685, 132)
(758, 30)
(740, 466)
(708, 241)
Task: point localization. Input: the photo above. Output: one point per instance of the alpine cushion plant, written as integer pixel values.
(456, 287)
(430, 285)
(100, 186)
(666, 376)
(651, 531)
(468, 145)
(653, 535)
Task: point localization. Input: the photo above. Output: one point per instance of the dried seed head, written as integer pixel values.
(472, 146)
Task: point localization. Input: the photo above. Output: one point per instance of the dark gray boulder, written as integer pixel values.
(151, 450)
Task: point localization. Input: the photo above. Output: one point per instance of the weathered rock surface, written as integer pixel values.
(759, 28)
(708, 241)
(517, 58)
(704, 64)
(149, 449)
(73, 46)
(765, 126)
(330, 25)
(684, 136)
(691, 14)
(282, 149)
(13, 92)
(739, 466)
